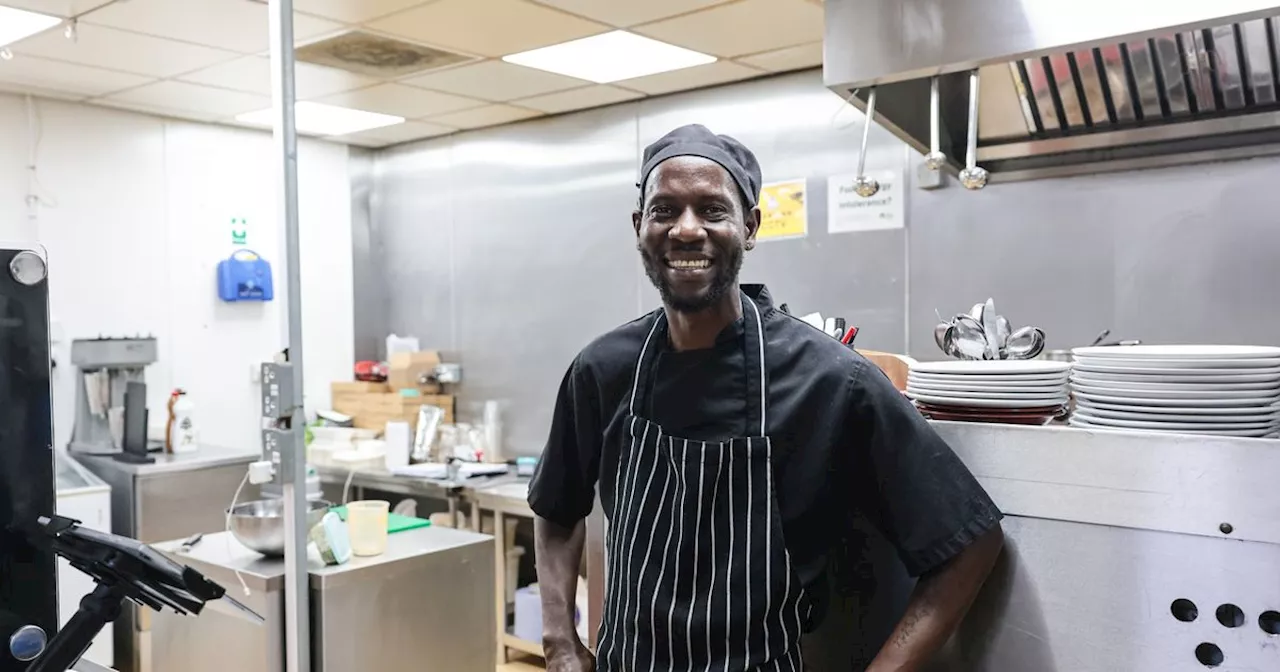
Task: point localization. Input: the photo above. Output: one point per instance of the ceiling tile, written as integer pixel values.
(403, 101)
(64, 8)
(496, 81)
(69, 78)
(202, 100)
(745, 27)
(578, 99)
(122, 50)
(252, 74)
(490, 115)
(784, 60)
(354, 11)
(626, 13)
(237, 25)
(690, 78)
(487, 27)
(391, 135)
(155, 110)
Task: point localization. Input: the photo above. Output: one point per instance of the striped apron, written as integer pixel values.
(698, 576)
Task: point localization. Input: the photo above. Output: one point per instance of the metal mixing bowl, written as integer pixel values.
(260, 525)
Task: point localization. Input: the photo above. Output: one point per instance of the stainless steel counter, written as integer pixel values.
(1105, 532)
(425, 598)
(177, 496)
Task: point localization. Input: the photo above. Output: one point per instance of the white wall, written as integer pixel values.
(138, 217)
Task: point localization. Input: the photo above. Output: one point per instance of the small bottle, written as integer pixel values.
(181, 435)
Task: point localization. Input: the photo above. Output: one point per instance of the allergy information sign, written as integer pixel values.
(782, 211)
(847, 211)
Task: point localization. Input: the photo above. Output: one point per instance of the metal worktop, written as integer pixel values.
(264, 573)
(205, 458)
(422, 602)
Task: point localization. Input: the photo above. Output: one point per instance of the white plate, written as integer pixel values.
(1130, 393)
(1221, 411)
(1176, 426)
(952, 394)
(989, 387)
(1103, 381)
(1244, 433)
(1180, 352)
(1263, 418)
(1190, 377)
(1010, 366)
(1182, 364)
(1031, 380)
(1164, 371)
(986, 402)
(1190, 402)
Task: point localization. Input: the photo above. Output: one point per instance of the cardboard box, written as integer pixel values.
(373, 410)
(357, 387)
(405, 370)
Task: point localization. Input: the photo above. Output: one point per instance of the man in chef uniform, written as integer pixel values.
(735, 450)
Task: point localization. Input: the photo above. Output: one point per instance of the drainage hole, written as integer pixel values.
(1209, 655)
(1184, 610)
(1230, 615)
(1269, 621)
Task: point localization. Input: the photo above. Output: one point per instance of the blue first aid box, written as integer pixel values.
(244, 276)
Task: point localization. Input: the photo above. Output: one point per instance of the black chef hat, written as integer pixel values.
(697, 140)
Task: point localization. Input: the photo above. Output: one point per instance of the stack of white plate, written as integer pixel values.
(1009, 391)
(1198, 389)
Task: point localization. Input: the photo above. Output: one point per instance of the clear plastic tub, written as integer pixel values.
(367, 526)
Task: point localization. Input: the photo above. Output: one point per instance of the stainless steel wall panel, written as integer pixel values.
(544, 257)
(1172, 255)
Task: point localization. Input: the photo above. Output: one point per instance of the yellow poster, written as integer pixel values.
(782, 211)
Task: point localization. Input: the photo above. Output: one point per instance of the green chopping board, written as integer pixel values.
(395, 521)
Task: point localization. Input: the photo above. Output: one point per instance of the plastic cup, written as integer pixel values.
(367, 526)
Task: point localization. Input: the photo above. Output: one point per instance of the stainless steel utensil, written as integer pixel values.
(1003, 330)
(989, 329)
(935, 159)
(1025, 343)
(259, 525)
(968, 338)
(940, 333)
(973, 177)
(863, 185)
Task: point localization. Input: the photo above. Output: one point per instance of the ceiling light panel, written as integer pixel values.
(610, 57)
(17, 24)
(320, 119)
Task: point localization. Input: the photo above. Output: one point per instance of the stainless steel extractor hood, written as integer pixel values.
(1067, 86)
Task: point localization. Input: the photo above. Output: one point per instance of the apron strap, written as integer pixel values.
(753, 351)
(753, 354)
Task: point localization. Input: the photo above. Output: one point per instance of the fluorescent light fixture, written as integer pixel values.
(17, 24)
(321, 119)
(610, 57)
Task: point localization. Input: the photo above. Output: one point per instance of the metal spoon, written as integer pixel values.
(1003, 329)
(940, 334)
(864, 186)
(1025, 343)
(973, 177)
(935, 159)
(968, 338)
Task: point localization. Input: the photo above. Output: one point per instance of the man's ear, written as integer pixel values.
(636, 219)
(753, 226)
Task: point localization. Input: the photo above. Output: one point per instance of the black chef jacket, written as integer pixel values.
(850, 452)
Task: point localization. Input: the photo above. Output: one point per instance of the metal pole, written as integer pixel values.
(294, 491)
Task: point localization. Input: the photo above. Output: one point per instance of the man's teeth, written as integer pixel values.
(689, 263)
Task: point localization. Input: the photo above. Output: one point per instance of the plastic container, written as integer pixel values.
(397, 440)
(367, 527)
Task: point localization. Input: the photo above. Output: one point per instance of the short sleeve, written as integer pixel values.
(913, 486)
(563, 486)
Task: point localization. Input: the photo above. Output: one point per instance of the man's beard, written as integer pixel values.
(724, 280)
